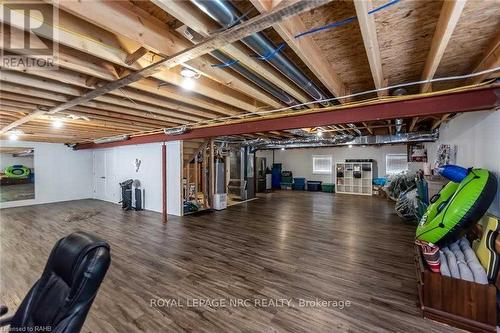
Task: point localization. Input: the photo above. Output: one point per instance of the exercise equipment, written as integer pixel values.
(17, 171)
(456, 207)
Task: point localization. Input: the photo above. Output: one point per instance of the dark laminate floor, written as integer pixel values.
(294, 245)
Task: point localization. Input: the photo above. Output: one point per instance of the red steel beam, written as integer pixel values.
(465, 101)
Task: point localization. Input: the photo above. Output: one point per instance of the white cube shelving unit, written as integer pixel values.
(357, 178)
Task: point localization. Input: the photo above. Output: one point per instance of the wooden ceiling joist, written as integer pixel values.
(121, 98)
(448, 19)
(490, 59)
(305, 48)
(287, 9)
(32, 103)
(80, 35)
(142, 28)
(202, 24)
(369, 34)
(25, 91)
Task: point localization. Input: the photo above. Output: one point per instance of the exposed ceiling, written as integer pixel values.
(103, 41)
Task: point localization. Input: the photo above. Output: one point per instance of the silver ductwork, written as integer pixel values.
(245, 72)
(256, 79)
(343, 140)
(223, 12)
(399, 125)
(354, 128)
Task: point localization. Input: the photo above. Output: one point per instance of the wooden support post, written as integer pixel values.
(187, 180)
(164, 181)
(196, 174)
(211, 166)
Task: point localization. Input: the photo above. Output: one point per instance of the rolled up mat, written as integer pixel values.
(452, 263)
(474, 264)
(444, 269)
(463, 268)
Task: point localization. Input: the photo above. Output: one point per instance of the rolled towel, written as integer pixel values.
(452, 263)
(445, 270)
(463, 268)
(473, 262)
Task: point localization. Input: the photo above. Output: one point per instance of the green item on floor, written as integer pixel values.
(328, 187)
(456, 207)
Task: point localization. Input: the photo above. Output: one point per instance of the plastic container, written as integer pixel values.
(328, 187)
(313, 186)
(299, 187)
(299, 181)
(286, 186)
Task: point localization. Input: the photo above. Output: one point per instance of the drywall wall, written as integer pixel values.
(174, 178)
(477, 137)
(61, 174)
(118, 164)
(299, 161)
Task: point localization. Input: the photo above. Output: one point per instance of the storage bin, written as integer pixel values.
(286, 179)
(327, 187)
(313, 186)
(286, 186)
(299, 187)
(299, 181)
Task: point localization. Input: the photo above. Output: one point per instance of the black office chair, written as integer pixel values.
(60, 300)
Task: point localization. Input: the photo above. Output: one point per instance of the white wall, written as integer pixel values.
(477, 136)
(7, 160)
(119, 165)
(61, 174)
(299, 161)
(174, 178)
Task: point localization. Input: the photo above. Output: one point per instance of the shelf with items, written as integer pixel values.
(354, 177)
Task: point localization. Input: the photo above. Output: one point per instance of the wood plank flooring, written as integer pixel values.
(285, 245)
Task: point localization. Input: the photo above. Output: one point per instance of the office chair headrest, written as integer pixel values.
(73, 249)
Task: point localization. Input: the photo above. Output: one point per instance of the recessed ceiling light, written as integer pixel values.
(57, 123)
(188, 83)
(282, 148)
(350, 146)
(319, 133)
(14, 135)
(189, 73)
